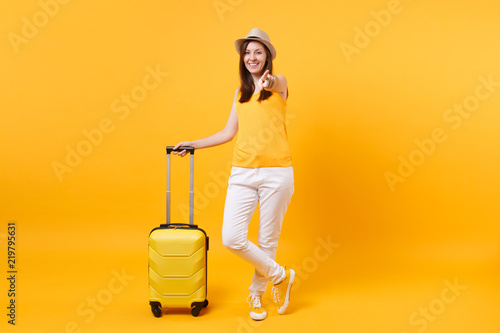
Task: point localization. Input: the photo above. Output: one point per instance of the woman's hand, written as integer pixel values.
(182, 153)
(267, 81)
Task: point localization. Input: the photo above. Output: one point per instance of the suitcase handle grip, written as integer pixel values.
(181, 225)
(186, 148)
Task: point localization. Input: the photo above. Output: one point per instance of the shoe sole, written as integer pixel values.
(259, 317)
(288, 292)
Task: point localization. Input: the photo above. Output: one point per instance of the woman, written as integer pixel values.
(262, 169)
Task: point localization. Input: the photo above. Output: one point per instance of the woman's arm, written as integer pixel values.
(223, 136)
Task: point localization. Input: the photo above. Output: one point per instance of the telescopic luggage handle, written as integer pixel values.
(191, 191)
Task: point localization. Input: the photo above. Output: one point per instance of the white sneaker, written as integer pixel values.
(258, 312)
(281, 291)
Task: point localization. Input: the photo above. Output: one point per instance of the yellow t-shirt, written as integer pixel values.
(262, 138)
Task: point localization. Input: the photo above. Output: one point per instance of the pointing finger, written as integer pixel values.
(264, 76)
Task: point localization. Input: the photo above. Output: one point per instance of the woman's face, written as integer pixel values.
(255, 57)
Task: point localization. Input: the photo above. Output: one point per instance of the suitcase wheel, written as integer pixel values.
(197, 307)
(196, 311)
(156, 310)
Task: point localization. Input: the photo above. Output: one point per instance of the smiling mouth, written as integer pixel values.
(253, 65)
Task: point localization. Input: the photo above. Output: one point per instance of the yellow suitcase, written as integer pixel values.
(178, 260)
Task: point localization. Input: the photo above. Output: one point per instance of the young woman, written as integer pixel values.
(262, 169)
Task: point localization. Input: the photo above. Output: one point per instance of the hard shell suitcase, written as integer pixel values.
(178, 259)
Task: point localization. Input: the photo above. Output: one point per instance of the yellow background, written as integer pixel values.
(352, 116)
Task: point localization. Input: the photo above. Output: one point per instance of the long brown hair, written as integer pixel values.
(247, 86)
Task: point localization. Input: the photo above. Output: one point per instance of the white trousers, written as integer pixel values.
(272, 188)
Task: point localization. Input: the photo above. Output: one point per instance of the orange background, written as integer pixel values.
(367, 81)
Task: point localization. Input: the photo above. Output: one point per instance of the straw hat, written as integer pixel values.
(258, 35)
